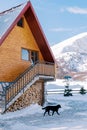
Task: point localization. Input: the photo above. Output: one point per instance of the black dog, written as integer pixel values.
(52, 108)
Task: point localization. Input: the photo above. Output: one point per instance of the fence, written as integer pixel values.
(61, 91)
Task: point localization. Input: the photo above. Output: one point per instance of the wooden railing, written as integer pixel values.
(38, 69)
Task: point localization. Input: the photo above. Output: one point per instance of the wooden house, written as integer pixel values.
(26, 61)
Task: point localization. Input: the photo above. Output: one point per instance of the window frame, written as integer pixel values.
(28, 59)
(34, 57)
(30, 55)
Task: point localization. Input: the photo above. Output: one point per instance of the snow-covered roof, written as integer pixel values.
(7, 18)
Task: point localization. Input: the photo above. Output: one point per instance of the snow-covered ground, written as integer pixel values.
(73, 114)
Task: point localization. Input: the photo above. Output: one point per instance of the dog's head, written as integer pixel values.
(59, 106)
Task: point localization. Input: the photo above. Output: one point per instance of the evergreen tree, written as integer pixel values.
(67, 91)
(82, 91)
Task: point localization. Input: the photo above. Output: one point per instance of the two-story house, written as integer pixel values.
(26, 60)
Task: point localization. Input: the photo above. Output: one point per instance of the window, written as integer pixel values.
(34, 56)
(20, 23)
(29, 55)
(25, 54)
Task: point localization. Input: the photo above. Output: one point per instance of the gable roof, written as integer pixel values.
(9, 18)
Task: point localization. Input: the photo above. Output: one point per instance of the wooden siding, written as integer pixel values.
(11, 64)
(39, 35)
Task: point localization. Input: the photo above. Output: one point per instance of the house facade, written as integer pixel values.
(26, 61)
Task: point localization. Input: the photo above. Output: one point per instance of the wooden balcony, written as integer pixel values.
(40, 70)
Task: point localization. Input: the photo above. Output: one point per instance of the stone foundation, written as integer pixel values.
(35, 94)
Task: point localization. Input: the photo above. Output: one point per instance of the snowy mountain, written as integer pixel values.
(71, 56)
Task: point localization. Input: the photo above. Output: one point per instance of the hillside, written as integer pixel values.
(71, 56)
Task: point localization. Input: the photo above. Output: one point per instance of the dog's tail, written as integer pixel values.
(43, 108)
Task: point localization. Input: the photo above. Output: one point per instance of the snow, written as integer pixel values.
(58, 48)
(71, 56)
(73, 114)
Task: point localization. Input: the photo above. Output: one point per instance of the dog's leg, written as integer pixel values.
(57, 112)
(49, 112)
(45, 113)
(52, 113)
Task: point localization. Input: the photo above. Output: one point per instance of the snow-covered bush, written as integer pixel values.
(82, 91)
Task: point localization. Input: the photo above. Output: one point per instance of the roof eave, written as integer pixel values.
(45, 42)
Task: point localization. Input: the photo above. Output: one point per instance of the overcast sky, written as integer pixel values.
(60, 19)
